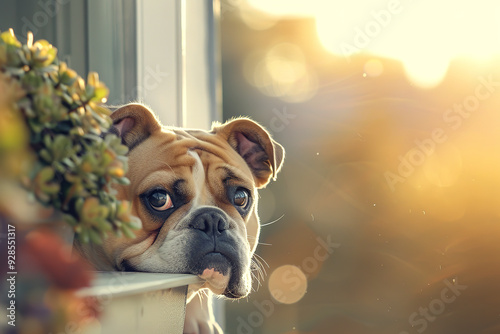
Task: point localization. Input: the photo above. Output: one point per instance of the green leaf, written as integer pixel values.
(70, 219)
(127, 232)
(84, 236)
(135, 223)
(104, 225)
(95, 237)
(123, 181)
(74, 167)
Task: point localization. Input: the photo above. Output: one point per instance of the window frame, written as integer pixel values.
(179, 75)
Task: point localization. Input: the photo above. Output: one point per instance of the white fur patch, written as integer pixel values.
(198, 177)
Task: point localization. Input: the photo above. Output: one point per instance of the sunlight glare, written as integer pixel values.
(257, 22)
(444, 167)
(425, 35)
(281, 72)
(373, 68)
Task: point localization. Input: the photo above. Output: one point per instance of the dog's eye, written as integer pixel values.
(160, 200)
(241, 197)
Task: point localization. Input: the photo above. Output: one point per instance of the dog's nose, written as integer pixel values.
(211, 222)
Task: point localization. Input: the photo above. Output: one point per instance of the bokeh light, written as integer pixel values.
(403, 239)
(282, 72)
(424, 35)
(287, 284)
(373, 68)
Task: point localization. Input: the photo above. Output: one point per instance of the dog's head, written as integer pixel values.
(196, 195)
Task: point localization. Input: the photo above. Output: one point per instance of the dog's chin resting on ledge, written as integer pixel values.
(195, 193)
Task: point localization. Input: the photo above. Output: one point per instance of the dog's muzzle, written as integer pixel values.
(214, 247)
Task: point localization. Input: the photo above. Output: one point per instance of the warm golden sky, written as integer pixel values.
(424, 34)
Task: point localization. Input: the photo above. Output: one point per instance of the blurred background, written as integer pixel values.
(386, 215)
(389, 113)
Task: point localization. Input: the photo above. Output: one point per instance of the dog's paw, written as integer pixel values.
(193, 326)
(199, 316)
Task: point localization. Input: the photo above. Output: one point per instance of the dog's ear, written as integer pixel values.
(134, 123)
(262, 154)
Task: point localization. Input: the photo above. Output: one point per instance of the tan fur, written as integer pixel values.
(240, 149)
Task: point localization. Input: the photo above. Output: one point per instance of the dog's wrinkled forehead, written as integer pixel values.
(240, 142)
(198, 160)
(199, 177)
(208, 153)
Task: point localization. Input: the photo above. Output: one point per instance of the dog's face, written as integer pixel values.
(196, 195)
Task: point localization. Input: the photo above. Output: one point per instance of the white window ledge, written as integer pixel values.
(139, 302)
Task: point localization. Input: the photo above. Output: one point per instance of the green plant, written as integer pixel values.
(75, 162)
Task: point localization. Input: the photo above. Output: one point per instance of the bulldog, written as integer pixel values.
(195, 193)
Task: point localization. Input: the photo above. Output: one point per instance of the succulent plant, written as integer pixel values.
(74, 160)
